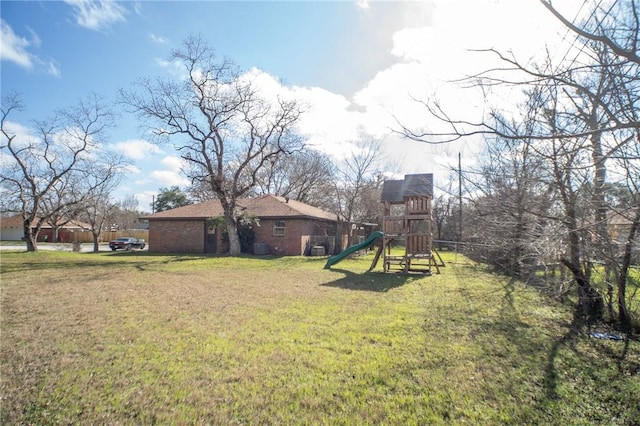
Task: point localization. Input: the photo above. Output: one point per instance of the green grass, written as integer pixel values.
(136, 338)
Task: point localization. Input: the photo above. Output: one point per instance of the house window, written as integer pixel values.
(278, 228)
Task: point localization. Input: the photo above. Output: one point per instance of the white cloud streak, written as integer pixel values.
(138, 149)
(14, 48)
(362, 4)
(171, 175)
(158, 39)
(97, 14)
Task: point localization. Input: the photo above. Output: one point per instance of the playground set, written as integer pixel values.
(407, 223)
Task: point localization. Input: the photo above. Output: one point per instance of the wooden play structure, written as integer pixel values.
(407, 226)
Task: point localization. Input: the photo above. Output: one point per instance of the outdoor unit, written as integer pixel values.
(260, 248)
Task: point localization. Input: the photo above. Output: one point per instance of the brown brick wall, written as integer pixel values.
(188, 236)
(292, 243)
(176, 236)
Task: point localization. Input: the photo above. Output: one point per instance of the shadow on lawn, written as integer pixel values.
(506, 336)
(368, 281)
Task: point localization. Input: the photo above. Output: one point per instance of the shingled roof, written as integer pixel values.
(16, 221)
(265, 207)
(394, 191)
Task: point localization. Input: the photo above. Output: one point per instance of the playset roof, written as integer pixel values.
(395, 191)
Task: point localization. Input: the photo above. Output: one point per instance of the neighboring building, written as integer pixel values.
(286, 227)
(619, 229)
(11, 230)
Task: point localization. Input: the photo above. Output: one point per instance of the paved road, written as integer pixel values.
(86, 247)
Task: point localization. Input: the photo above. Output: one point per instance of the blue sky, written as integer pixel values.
(356, 63)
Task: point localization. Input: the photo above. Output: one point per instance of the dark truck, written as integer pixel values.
(126, 243)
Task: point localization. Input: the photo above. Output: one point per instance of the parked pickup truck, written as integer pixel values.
(126, 243)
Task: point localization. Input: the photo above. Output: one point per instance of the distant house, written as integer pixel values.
(619, 229)
(11, 229)
(286, 227)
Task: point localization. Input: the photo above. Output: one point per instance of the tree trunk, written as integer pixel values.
(29, 236)
(96, 245)
(234, 239)
(339, 232)
(623, 313)
(590, 302)
(55, 232)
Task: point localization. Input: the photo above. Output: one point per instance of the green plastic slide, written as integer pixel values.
(349, 251)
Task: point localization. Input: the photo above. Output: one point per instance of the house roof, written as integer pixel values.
(394, 191)
(265, 207)
(16, 221)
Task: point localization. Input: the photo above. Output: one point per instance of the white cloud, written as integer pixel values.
(430, 62)
(138, 149)
(174, 68)
(166, 174)
(158, 39)
(173, 162)
(145, 199)
(327, 122)
(23, 134)
(363, 4)
(132, 169)
(97, 14)
(35, 38)
(14, 48)
(137, 7)
(168, 178)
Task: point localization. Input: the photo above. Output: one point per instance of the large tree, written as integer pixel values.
(54, 171)
(358, 183)
(125, 213)
(170, 198)
(303, 176)
(581, 116)
(224, 130)
(97, 209)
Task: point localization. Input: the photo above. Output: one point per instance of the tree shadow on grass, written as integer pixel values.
(508, 336)
(368, 281)
(580, 332)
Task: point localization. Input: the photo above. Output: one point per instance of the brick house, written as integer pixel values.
(286, 227)
(11, 229)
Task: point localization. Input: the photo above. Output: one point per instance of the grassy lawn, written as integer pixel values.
(136, 338)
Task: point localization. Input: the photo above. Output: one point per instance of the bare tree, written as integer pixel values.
(125, 214)
(442, 214)
(626, 249)
(302, 176)
(615, 29)
(225, 132)
(96, 212)
(97, 209)
(581, 117)
(49, 172)
(61, 208)
(356, 178)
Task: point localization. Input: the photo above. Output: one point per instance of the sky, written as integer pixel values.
(357, 66)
